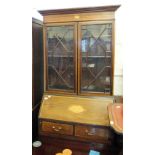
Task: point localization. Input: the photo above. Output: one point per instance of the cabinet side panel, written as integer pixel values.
(37, 72)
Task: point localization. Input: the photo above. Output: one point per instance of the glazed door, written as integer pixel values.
(61, 51)
(96, 58)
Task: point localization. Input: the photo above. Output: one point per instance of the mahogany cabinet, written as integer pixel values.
(78, 74)
(79, 50)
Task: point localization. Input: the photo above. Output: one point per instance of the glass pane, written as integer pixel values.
(96, 48)
(60, 45)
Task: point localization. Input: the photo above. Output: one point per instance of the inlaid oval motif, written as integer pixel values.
(76, 109)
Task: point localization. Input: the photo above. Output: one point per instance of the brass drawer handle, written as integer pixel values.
(90, 133)
(56, 129)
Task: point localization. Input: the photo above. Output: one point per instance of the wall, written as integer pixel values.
(119, 36)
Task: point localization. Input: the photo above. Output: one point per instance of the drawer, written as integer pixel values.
(56, 128)
(93, 133)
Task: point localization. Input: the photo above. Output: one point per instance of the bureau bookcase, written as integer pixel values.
(78, 66)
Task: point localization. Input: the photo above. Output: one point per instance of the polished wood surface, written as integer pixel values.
(92, 133)
(116, 116)
(79, 17)
(56, 128)
(76, 109)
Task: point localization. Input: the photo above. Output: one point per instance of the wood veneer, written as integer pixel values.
(56, 128)
(83, 110)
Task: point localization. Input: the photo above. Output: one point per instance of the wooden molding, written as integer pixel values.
(110, 8)
(80, 17)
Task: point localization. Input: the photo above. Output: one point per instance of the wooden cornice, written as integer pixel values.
(110, 8)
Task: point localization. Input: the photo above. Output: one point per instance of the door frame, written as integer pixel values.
(91, 93)
(59, 91)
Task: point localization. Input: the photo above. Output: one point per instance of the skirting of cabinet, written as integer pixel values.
(74, 144)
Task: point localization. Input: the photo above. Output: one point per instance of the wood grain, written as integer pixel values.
(93, 133)
(58, 108)
(94, 16)
(56, 128)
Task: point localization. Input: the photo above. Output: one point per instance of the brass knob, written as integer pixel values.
(89, 133)
(57, 129)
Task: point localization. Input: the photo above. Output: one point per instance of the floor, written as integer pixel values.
(47, 149)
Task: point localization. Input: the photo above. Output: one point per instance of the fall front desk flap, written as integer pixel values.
(76, 109)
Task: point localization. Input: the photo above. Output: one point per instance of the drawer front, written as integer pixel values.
(56, 128)
(92, 133)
